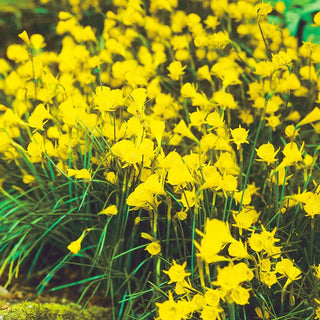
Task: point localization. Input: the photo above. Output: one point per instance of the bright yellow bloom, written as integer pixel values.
(230, 279)
(179, 175)
(273, 121)
(220, 39)
(28, 178)
(17, 52)
(239, 136)
(316, 19)
(291, 132)
(37, 41)
(264, 241)
(240, 295)
(317, 270)
(238, 250)
(264, 9)
(177, 272)
(154, 185)
(38, 147)
(229, 183)
(4, 66)
(212, 178)
(176, 70)
(227, 164)
(269, 278)
(211, 313)
(171, 310)
(266, 153)
(127, 151)
(181, 215)
(215, 120)
(310, 202)
(212, 297)
(153, 248)
(245, 218)
(188, 198)
(224, 100)
(317, 312)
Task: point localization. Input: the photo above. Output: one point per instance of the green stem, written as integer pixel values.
(253, 147)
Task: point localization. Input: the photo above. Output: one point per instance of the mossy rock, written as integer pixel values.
(53, 311)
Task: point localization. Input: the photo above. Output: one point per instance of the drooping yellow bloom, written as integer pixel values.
(137, 106)
(38, 117)
(75, 246)
(217, 235)
(127, 151)
(24, 37)
(106, 99)
(157, 128)
(238, 250)
(144, 194)
(38, 147)
(181, 128)
(141, 197)
(188, 90)
(79, 174)
(292, 154)
(110, 210)
(312, 116)
(286, 268)
(189, 198)
(212, 178)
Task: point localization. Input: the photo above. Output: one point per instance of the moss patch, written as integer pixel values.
(52, 311)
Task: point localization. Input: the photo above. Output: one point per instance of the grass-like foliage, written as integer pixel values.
(170, 158)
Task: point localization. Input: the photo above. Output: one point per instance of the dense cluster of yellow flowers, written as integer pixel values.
(203, 120)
